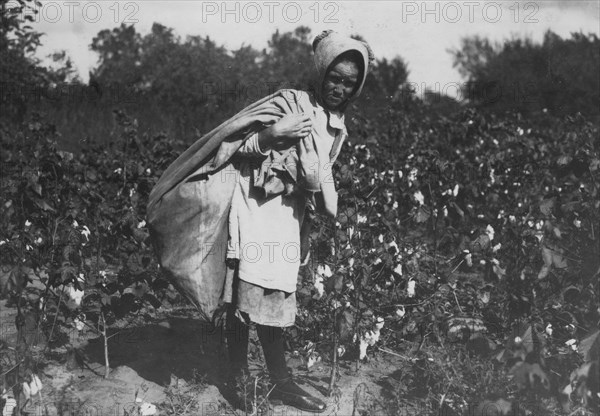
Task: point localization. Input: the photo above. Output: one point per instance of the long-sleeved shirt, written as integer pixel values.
(264, 231)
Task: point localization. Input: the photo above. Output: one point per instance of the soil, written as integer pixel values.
(169, 358)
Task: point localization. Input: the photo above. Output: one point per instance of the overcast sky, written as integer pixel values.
(420, 32)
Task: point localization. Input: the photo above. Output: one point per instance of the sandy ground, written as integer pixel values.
(167, 358)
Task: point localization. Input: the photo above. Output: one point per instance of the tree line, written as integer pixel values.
(185, 86)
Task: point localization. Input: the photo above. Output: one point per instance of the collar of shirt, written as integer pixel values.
(335, 118)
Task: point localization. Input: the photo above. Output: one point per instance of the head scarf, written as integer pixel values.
(327, 47)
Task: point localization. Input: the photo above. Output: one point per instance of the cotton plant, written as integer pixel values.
(370, 337)
(32, 387)
(75, 295)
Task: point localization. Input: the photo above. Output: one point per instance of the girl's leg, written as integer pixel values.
(236, 334)
(271, 339)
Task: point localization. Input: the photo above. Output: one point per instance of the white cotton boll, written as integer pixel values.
(142, 224)
(395, 205)
(27, 223)
(380, 238)
(549, 329)
(341, 350)
(489, 230)
(2, 242)
(419, 197)
(79, 322)
(319, 287)
(75, 295)
(496, 247)
(398, 269)
(26, 390)
(469, 259)
(376, 261)
(400, 174)
(361, 219)
(351, 262)
(393, 245)
(577, 223)
(412, 176)
(9, 406)
(410, 289)
(147, 409)
(380, 323)
(400, 312)
(350, 232)
(363, 348)
(36, 385)
(86, 232)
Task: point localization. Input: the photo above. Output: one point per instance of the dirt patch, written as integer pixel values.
(169, 357)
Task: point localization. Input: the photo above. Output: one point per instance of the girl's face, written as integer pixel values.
(339, 84)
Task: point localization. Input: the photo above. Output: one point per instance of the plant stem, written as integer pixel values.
(55, 318)
(106, 364)
(333, 355)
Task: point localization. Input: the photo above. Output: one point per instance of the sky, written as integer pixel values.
(421, 32)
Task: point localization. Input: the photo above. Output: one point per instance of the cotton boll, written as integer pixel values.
(9, 406)
(319, 287)
(469, 259)
(489, 230)
(26, 390)
(410, 289)
(36, 385)
(75, 295)
(419, 197)
(363, 348)
(147, 409)
(80, 322)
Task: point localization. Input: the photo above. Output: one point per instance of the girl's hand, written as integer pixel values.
(286, 132)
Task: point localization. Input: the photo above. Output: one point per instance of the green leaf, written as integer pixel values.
(546, 206)
(529, 375)
(422, 214)
(148, 297)
(590, 347)
(43, 205)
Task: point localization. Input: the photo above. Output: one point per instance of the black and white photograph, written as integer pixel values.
(276, 208)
